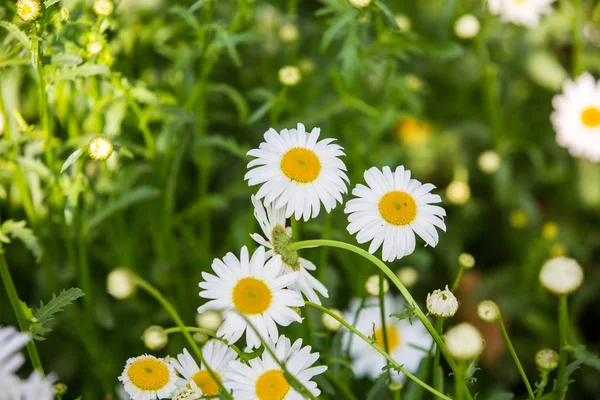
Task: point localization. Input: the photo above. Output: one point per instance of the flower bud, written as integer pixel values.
(290, 75)
(60, 389)
(442, 303)
(100, 148)
(403, 22)
(330, 323)
(550, 231)
(395, 386)
(466, 260)
(488, 311)
(360, 3)
(547, 359)
(103, 8)
(464, 342)
(155, 338)
(408, 276)
(64, 14)
(467, 27)
(489, 162)
(28, 10)
(200, 337)
(120, 284)
(561, 275)
(458, 192)
(372, 285)
(518, 219)
(210, 320)
(288, 33)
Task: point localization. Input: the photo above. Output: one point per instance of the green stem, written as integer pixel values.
(43, 100)
(542, 385)
(152, 291)
(437, 376)
(577, 60)
(342, 387)
(457, 279)
(396, 366)
(207, 332)
(563, 323)
(513, 353)
(458, 380)
(490, 89)
(383, 316)
(325, 250)
(394, 279)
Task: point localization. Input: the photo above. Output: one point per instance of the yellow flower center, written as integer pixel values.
(272, 385)
(591, 117)
(398, 208)
(301, 165)
(393, 337)
(148, 374)
(252, 296)
(413, 132)
(206, 383)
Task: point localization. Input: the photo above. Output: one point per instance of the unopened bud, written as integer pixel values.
(155, 338)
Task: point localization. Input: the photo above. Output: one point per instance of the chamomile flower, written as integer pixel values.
(263, 379)
(407, 344)
(28, 10)
(217, 356)
(576, 117)
(147, 378)
(391, 210)
(297, 172)
(276, 237)
(254, 289)
(521, 12)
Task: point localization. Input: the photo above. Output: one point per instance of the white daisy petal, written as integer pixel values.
(521, 12)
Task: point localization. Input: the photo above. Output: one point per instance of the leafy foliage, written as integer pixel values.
(11, 229)
(46, 312)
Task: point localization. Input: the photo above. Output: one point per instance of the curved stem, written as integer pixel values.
(207, 332)
(563, 323)
(394, 279)
(389, 358)
(152, 291)
(513, 353)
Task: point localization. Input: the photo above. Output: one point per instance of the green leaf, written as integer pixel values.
(83, 71)
(72, 159)
(225, 143)
(46, 312)
(337, 27)
(134, 196)
(408, 313)
(236, 98)
(17, 230)
(586, 357)
(197, 5)
(49, 3)
(388, 13)
(17, 33)
(187, 16)
(262, 110)
(224, 39)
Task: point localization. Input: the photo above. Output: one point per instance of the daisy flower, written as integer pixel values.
(254, 289)
(521, 12)
(576, 117)
(217, 356)
(391, 210)
(298, 173)
(263, 379)
(407, 343)
(147, 378)
(276, 238)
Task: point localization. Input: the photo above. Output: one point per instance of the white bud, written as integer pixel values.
(403, 22)
(103, 8)
(120, 284)
(467, 27)
(210, 320)
(561, 275)
(372, 285)
(290, 75)
(155, 338)
(360, 3)
(489, 162)
(442, 303)
(458, 192)
(408, 276)
(100, 148)
(464, 342)
(331, 323)
(288, 33)
(488, 311)
(547, 359)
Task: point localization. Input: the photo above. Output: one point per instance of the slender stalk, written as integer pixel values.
(437, 378)
(207, 332)
(325, 250)
(343, 388)
(354, 319)
(11, 291)
(389, 358)
(383, 316)
(576, 56)
(513, 353)
(458, 379)
(563, 323)
(457, 279)
(542, 385)
(43, 100)
(394, 279)
(152, 291)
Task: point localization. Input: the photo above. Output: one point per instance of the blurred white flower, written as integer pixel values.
(464, 341)
(360, 3)
(155, 338)
(458, 192)
(561, 275)
(331, 323)
(210, 320)
(372, 285)
(489, 162)
(521, 12)
(467, 27)
(100, 148)
(442, 303)
(288, 33)
(403, 22)
(120, 284)
(290, 75)
(103, 8)
(488, 311)
(147, 377)
(408, 276)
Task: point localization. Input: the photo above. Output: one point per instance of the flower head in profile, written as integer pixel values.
(297, 172)
(263, 379)
(521, 12)
(251, 290)
(147, 378)
(407, 343)
(391, 209)
(276, 238)
(576, 117)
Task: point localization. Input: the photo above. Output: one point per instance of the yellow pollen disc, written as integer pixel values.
(591, 117)
(398, 208)
(393, 337)
(207, 384)
(148, 374)
(272, 385)
(301, 165)
(252, 296)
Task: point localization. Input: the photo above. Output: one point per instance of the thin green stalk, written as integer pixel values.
(354, 319)
(43, 100)
(207, 332)
(577, 59)
(11, 291)
(513, 353)
(457, 279)
(459, 376)
(396, 366)
(394, 279)
(325, 250)
(152, 291)
(439, 326)
(563, 323)
(383, 316)
(542, 385)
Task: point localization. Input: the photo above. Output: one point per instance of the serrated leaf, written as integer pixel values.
(83, 71)
(73, 157)
(17, 33)
(18, 230)
(46, 312)
(336, 28)
(586, 357)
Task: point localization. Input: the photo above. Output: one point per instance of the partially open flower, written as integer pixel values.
(464, 342)
(120, 284)
(100, 148)
(103, 8)
(467, 27)
(28, 10)
(561, 275)
(330, 323)
(442, 303)
(488, 311)
(290, 75)
(360, 3)
(547, 359)
(155, 338)
(210, 320)
(372, 285)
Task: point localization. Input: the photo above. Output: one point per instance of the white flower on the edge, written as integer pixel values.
(576, 117)
(521, 12)
(277, 236)
(147, 378)
(407, 344)
(217, 356)
(36, 386)
(255, 289)
(391, 210)
(263, 378)
(298, 173)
